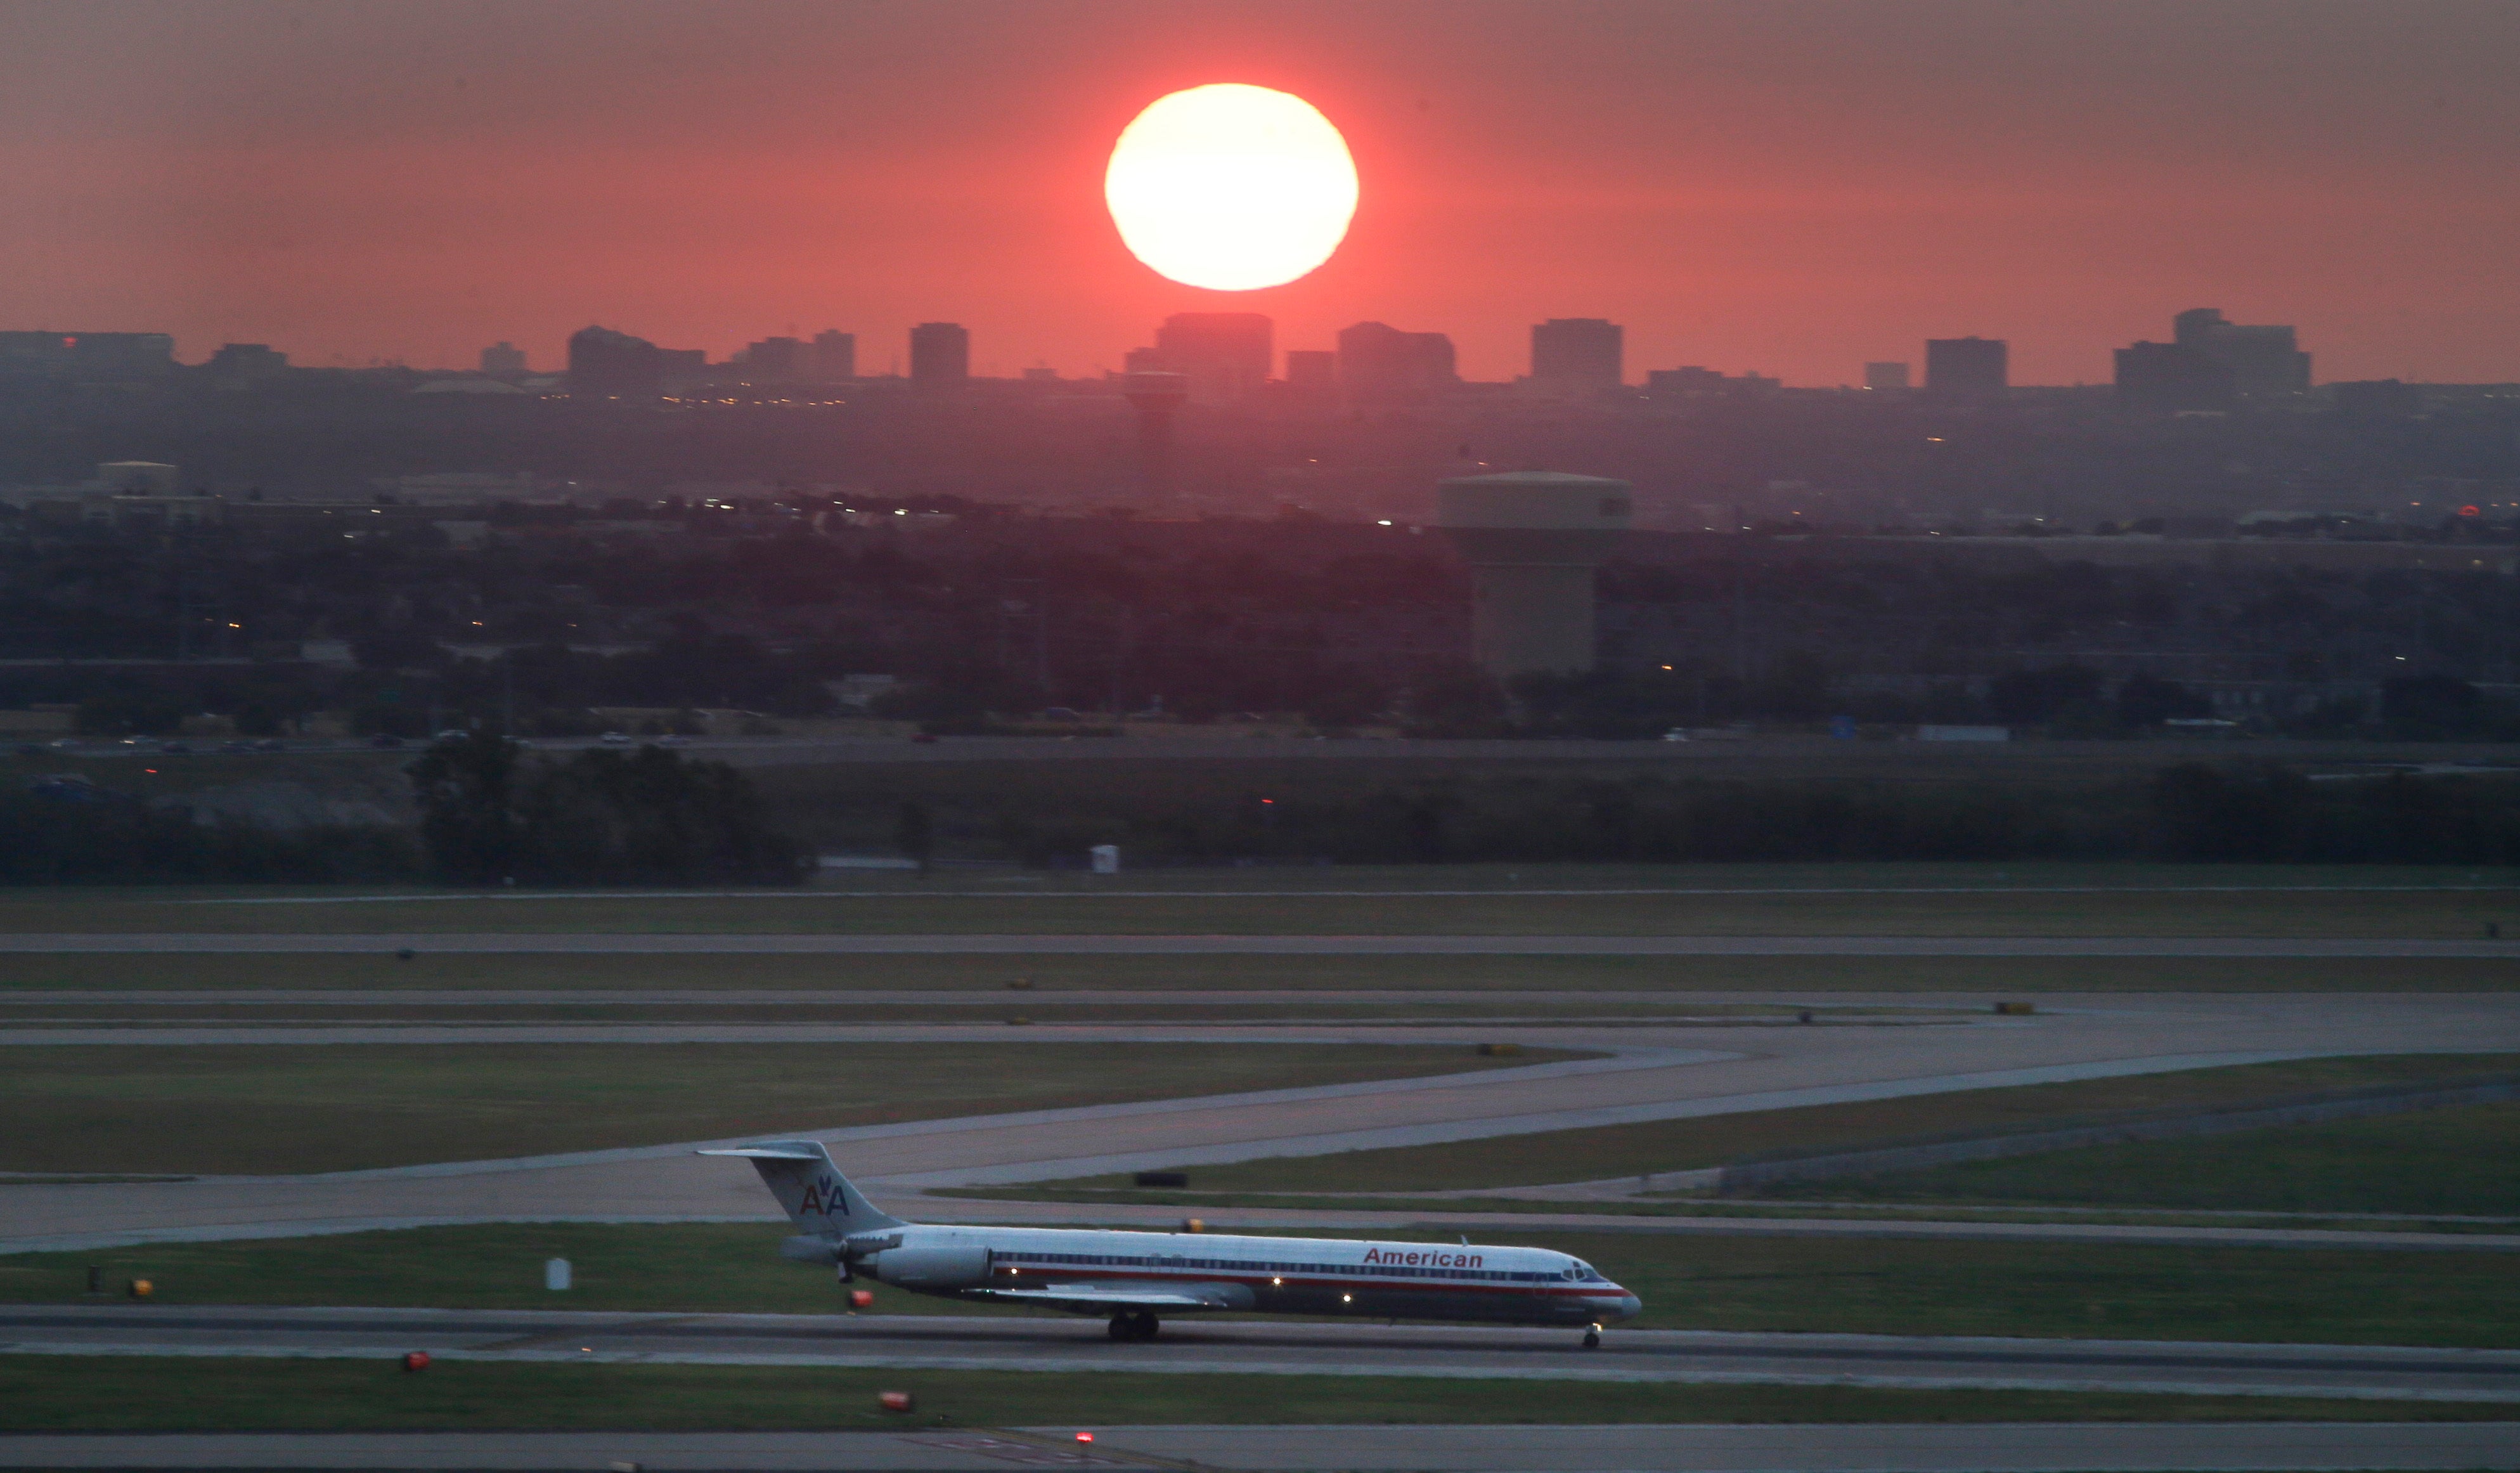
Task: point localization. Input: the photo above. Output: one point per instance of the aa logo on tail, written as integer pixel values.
(824, 1196)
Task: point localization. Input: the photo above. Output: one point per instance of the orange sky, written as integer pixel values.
(1792, 188)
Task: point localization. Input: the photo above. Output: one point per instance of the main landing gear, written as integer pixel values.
(1593, 1337)
(1138, 1325)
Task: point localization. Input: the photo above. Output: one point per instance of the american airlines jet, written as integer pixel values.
(1134, 1276)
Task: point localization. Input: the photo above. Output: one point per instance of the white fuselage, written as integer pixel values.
(1269, 1275)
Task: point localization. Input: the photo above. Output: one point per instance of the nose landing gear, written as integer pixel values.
(1138, 1325)
(1593, 1337)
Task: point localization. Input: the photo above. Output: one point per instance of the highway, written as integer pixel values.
(944, 1342)
(1812, 1447)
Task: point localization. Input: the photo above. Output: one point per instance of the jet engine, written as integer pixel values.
(951, 1266)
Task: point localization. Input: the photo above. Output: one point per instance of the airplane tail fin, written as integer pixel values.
(801, 1176)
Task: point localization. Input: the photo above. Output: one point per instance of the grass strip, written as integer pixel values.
(1747, 1282)
(285, 1107)
(1608, 1151)
(142, 1393)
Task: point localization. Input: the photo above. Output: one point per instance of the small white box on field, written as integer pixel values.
(556, 1274)
(1107, 858)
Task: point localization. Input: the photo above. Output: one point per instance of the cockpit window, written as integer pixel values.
(1583, 1273)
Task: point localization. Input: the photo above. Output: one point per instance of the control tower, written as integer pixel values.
(1533, 539)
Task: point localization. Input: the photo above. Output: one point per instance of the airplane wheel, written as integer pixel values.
(1120, 1327)
(1147, 1327)
(1593, 1338)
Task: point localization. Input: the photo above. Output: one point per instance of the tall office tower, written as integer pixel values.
(603, 363)
(2167, 378)
(1577, 354)
(1383, 365)
(1311, 373)
(1225, 356)
(836, 356)
(2264, 361)
(1885, 375)
(940, 357)
(1967, 370)
(503, 360)
(1533, 539)
(775, 360)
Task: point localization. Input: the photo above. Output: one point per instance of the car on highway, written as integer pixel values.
(615, 739)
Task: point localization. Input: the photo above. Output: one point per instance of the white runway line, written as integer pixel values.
(819, 944)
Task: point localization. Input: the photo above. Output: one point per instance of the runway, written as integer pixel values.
(1191, 1346)
(820, 944)
(1814, 1448)
(1659, 1072)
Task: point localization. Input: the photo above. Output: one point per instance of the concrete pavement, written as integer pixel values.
(1712, 1072)
(732, 943)
(1809, 1447)
(1194, 1345)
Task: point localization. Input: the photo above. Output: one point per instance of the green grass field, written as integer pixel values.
(134, 1393)
(281, 1108)
(1793, 976)
(1899, 1286)
(1805, 899)
(2464, 1161)
(1607, 1151)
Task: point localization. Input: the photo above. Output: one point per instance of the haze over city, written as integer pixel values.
(1793, 189)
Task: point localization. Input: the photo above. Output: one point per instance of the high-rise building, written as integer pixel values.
(940, 357)
(1967, 370)
(1577, 354)
(607, 364)
(775, 360)
(1885, 375)
(1379, 364)
(836, 356)
(503, 360)
(2168, 377)
(1225, 356)
(2264, 361)
(1310, 372)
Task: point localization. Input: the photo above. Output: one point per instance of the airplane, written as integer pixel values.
(1134, 1277)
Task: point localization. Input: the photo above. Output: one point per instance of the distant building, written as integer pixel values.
(87, 356)
(1885, 375)
(138, 478)
(2376, 399)
(605, 364)
(237, 364)
(1379, 364)
(836, 356)
(1707, 384)
(1578, 356)
(2266, 362)
(775, 360)
(503, 360)
(1310, 372)
(940, 357)
(1967, 370)
(2172, 378)
(1226, 355)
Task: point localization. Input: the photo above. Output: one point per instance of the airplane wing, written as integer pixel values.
(1107, 1296)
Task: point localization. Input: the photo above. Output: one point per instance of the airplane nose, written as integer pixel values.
(1629, 1304)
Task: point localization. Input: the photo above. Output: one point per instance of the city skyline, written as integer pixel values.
(1794, 189)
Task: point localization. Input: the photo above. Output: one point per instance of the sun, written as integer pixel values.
(1231, 187)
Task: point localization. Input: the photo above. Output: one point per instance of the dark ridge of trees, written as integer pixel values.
(491, 813)
(66, 831)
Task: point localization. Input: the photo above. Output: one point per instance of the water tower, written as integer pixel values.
(1533, 539)
(1157, 397)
